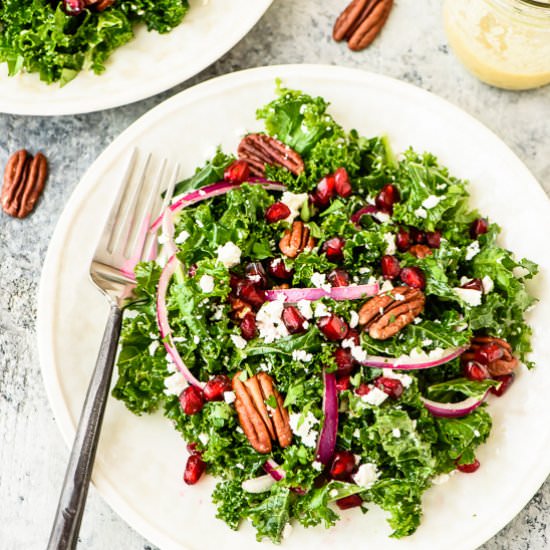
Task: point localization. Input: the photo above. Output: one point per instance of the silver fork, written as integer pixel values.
(125, 241)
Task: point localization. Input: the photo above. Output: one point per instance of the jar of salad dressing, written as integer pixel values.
(505, 43)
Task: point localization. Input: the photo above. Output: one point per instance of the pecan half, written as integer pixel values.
(261, 149)
(296, 240)
(260, 422)
(420, 250)
(24, 179)
(361, 22)
(239, 308)
(385, 315)
(505, 365)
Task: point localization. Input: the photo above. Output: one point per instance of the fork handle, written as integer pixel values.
(64, 535)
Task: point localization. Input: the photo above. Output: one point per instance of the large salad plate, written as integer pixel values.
(148, 65)
(140, 460)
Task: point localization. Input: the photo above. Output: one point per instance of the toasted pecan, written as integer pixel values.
(296, 240)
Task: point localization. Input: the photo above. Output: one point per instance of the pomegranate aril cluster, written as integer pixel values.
(216, 387)
(237, 172)
(386, 198)
(277, 212)
(192, 400)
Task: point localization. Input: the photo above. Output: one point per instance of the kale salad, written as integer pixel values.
(59, 38)
(326, 323)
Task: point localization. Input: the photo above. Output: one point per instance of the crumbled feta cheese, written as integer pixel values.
(302, 426)
(420, 213)
(519, 272)
(321, 310)
(304, 306)
(229, 397)
(182, 237)
(427, 342)
(353, 319)
(476, 433)
(399, 297)
(469, 296)
(206, 283)
(488, 284)
(319, 280)
(358, 353)
(153, 346)
(391, 248)
(386, 287)
(405, 379)
(196, 339)
(301, 355)
(218, 312)
(363, 270)
(382, 217)
(294, 202)
(375, 396)
(229, 254)
(366, 475)
(472, 250)
(204, 439)
(396, 432)
(269, 322)
(431, 201)
(356, 433)
(174, 384)
(417, 320)
(238, 341)
(316, 465)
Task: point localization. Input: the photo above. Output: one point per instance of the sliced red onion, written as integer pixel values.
(274, 470)
(293, 295)
(259, 484)
(408, 363)
(327, 437)
(164, 326)
(368, 210)
(454, 410)
(213, 190)
(168, 233)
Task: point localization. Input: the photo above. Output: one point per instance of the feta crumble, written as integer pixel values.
(301, 355)
(420, 213)
(238, 341)
(229, 254)
(269, 322)
(488, 284)
(321, 310)
(366, 475)
(396, 432)
(375, 396)
(303, 427)
(469, 296)
(319, 280)
(431, 201)
(174, 384)
(382, 217)
(206, 284)
(182, 237)
(472, 250)
(229, 397)
(304, 306)
(353, 319)
(405, 379)
(294, 201)
(391, 248)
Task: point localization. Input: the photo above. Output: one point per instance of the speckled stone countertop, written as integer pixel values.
(33, 456)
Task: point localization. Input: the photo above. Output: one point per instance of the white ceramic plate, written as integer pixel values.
(140, 460)
(148, 65)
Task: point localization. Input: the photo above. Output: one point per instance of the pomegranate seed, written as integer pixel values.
(363, 389)
(73, 7)
(506, 381)
(324, 192)
(342, 465)
(248, 326)
(349, 502)
(391, 386)
(213, 391)
(488, 353)
(433, 239)
(276, 268)
(333, 327)
(468, 468)
(294, 321)
(390, 267)
(387, 197)
(403, 240)
(255, 273)
(276, 212)
(352, 334)
(237, 172)
(192, 270)
(333, 248)
(478, 227)
(344, 360)
(473, 284)
(191, 400)
(338, 277)
(475, 371)
(342, 183)
(250, 293)
(417, 235)
(194, 469)
(192, 448)
(413, 277)
(365, 210)
(342, 383)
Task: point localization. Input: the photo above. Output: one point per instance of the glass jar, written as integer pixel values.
(505, 43)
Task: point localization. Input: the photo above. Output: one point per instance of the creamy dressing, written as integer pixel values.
(505, 44)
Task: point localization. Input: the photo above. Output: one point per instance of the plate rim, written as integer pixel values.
(214, 85)
(152, 86)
